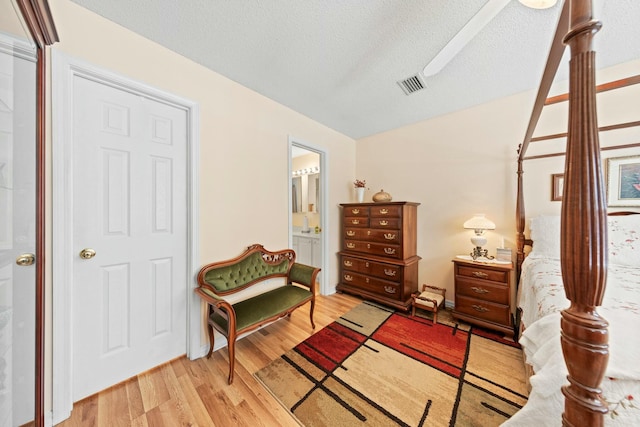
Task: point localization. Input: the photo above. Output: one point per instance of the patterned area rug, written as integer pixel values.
(377, 367)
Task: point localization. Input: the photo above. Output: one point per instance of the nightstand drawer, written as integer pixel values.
(482, 273)
(497, 313)
(479, 289)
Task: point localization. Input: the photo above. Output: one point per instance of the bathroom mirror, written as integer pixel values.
(305, 191)
(313, 191)
(296, 194)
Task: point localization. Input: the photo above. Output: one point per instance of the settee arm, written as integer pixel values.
(305, 275)
(218, 305)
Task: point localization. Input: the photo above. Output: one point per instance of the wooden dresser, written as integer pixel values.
(378, 260)
(484, 294)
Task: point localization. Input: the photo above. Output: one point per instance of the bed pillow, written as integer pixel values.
(623, 237)
(545, 233)
(624, 240)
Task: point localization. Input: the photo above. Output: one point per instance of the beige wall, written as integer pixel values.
(243, 140)
(465, 163)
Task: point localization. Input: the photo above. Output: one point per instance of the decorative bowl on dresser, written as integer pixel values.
(378, 260)
(483, 294)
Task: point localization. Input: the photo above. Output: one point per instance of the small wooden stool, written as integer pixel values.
(430, 298)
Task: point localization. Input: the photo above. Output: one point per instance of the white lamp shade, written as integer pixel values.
(539, 4)
(479, 222)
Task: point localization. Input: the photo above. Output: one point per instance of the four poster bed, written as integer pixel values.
(581, 341)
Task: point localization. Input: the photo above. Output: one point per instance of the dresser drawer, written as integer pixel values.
(361, 211)
(482, 273)
(380, 249)
(371, 268)
(385, 223)
(483, 290)
(373, 235)
(386, 211)
(356, 221)
(491, 312)
(371, 284)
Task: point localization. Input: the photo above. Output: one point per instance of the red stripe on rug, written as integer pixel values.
(316, 358)
(331, 345)
(435, 345)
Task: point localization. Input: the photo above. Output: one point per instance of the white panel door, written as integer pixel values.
(130, 205)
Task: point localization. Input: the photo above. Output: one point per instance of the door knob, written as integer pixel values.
(24, 260)
(87, 253)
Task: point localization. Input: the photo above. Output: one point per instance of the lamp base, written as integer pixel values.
(478, 252)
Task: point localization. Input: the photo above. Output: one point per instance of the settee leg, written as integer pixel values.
(211, 341)
(313, 305)
(232, 358)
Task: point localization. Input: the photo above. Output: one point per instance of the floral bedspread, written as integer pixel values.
(541, 297)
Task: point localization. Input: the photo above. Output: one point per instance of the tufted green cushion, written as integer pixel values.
(263, 306)
(230, 277)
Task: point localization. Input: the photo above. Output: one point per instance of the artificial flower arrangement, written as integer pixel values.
(359, 183)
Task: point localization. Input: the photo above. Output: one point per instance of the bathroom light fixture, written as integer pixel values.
(539, 4)
(306, 171)
(479, 224)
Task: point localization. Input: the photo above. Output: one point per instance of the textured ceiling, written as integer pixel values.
(338, 61)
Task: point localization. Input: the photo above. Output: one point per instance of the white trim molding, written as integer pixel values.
(324, 199)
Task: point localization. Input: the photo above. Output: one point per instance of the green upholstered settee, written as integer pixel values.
(222, 279)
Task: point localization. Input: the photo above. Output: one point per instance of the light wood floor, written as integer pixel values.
(196, 393)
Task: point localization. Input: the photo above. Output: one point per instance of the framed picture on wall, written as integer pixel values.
(557, 186)
(623, 181)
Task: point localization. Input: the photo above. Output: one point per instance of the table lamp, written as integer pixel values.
(479, 223)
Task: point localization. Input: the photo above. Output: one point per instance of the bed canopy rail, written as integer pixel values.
(583, 241)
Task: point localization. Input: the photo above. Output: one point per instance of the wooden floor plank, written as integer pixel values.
(196, 393)
(113, 407)
(197, 407)
(136, 406)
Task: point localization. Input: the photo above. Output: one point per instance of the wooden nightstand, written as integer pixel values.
(483, 294)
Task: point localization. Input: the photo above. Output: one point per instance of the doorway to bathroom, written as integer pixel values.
(307, 206)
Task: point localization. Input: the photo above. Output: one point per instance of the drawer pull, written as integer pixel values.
(355, 221)
(384, 211)
(366, 264)
(389, 251)
(479, 290)
(479, 274)
(355, 211)
(480, 308)
(368, 232)
(366, 279)
(390, 272)
(348, 263)
(384, 222)
(368, 245)
(390, 289)
(389, 236)
(351, 233)
(348, 277)
(351, 245)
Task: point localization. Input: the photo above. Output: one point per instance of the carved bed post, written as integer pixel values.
(584, 334)
(520, 215)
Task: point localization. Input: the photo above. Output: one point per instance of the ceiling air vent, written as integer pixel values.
(412, 84)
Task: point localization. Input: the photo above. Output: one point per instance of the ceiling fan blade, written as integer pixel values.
(464, 36)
